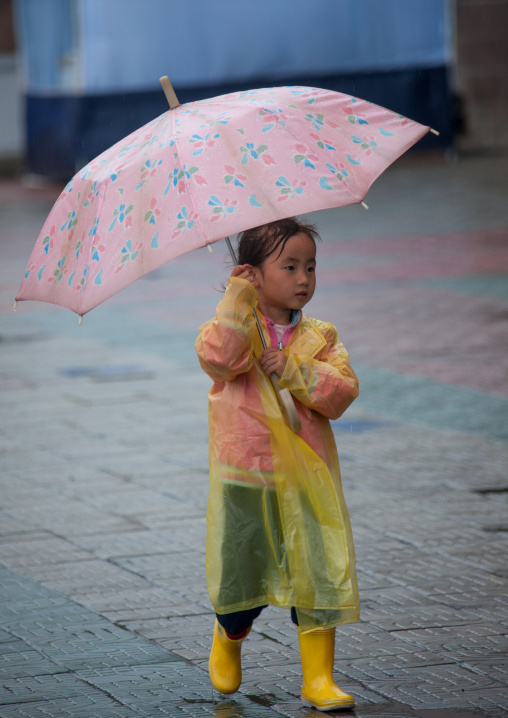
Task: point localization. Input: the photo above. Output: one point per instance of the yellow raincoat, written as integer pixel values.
(278, 529)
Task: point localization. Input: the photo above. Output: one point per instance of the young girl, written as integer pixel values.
(278, 530)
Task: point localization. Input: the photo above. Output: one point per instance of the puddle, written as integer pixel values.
(492, 490)
(495, 528)
(358, 426)
(264, 699)
(444, 713)
(14, 384)
(108, 372)
(22, 338)
(228, 709)
(234, 709)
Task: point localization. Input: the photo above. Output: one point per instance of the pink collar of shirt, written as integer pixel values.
(281, 333)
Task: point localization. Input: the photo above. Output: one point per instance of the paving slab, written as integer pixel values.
(103, 470)
(58, 658)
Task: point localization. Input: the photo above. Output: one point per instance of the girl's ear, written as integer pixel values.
(256, 272)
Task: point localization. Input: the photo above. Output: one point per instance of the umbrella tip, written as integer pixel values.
(434, 132)
(364, 205)
(80, 322)
(169, 92)
(15, 305)
(210, 248)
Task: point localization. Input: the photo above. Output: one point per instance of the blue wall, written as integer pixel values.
(92, 67)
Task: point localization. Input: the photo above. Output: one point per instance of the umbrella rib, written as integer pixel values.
(102, 197)
(187, 183)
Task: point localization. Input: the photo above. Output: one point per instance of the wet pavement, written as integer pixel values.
(103, 483)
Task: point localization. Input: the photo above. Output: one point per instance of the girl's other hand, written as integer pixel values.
(243, 271)
(273, 360)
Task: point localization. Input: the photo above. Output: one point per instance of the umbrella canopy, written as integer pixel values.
(201, 172)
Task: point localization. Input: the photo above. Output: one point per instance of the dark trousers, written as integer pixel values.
(240, 621)
(256, 503)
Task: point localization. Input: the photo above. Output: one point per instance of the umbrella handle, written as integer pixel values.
(287, 404)
(283, 395)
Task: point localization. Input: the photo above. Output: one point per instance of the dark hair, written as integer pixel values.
(257, 244)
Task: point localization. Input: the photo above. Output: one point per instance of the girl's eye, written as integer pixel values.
(311, 269)
(290, 268)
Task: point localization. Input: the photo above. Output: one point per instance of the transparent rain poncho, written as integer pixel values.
(278, 529)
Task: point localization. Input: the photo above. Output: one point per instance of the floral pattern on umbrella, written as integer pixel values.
(203, 171)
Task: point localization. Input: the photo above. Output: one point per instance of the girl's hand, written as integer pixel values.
(243, 271)
(273, 360)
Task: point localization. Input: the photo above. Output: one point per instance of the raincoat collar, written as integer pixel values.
(308, 339)
(304, 336)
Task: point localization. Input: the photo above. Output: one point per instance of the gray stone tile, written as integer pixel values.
(459, 642)
(140, 542)
(94, 703)
(5, 637)
(423, 615)
(65, 621)
(108, 505)
(441, 686)
(39, 550)
(189, 637)
(488, 552)
(179, 534)
(83, 576)
(25, 689)
(127, 605)
(368, 580)
(94, 655)
(376, 668)
(412, 565)
(66, 517)
(467, 591)
(169, 569)
(19, 660)
(361, 640)
(148, 688)
(494, 666)
(495, 610)
(392, 602)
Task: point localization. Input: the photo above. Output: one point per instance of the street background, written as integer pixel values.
(103, 433)
(104, 609)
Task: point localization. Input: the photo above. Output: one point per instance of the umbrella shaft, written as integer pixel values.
(235, 260)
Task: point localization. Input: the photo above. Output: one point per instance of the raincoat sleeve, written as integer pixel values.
(325, 383)
(225, 344)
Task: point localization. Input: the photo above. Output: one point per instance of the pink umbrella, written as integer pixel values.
(201, 172)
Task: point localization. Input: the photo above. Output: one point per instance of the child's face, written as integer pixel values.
(288, 281)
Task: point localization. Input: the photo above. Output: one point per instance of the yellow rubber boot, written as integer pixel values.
(319, 690)
(225, 664)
